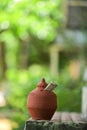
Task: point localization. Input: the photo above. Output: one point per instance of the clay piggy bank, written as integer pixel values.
(42, 102)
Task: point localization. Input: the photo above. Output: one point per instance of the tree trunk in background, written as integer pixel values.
(2, 60)
(23, 58)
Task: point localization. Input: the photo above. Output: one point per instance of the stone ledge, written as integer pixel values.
(60, 121)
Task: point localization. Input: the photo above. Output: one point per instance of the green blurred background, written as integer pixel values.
(32, 34)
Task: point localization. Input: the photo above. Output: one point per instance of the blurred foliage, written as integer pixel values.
(34, 22)
(35, 17)
(69, 92)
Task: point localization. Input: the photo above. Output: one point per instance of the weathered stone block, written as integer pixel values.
(60, 121)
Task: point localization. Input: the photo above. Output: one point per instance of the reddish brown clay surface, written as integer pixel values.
(41, 104)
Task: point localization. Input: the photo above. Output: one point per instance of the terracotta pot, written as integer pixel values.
(41, 104)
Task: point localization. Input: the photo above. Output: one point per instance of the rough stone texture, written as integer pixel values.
(60, 121)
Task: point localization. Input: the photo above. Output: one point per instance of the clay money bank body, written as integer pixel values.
(42, 102)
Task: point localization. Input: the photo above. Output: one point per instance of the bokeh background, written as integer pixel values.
(41, 38)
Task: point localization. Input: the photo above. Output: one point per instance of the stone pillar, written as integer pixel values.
(84, 95)
(54, 60)
(84, 102)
